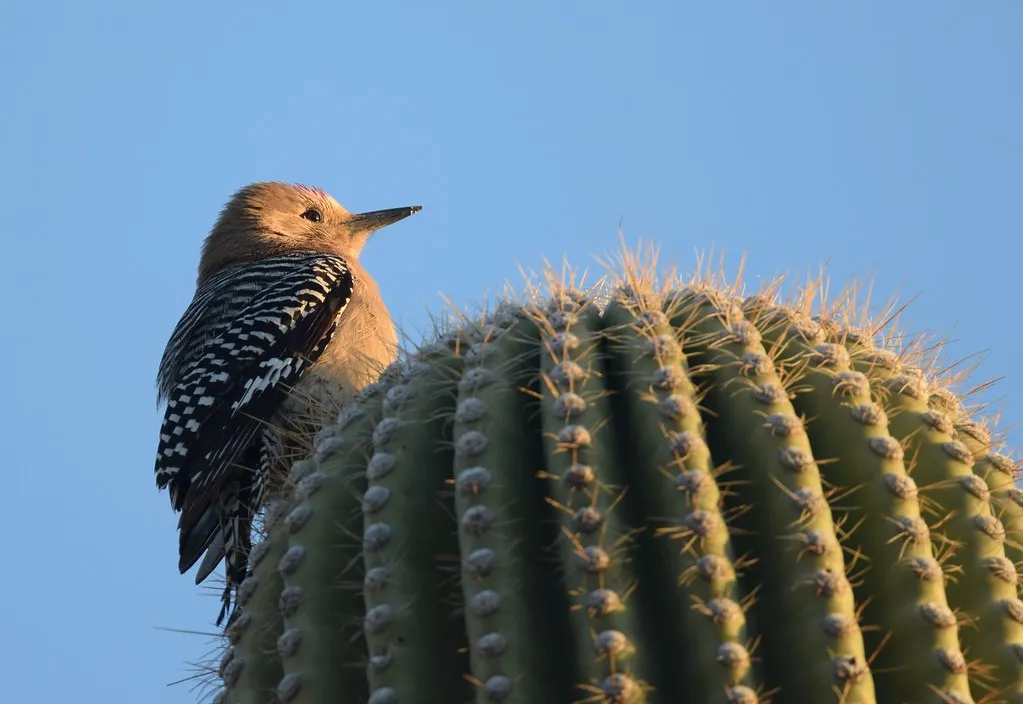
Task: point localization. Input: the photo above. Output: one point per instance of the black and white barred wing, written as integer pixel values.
(215, 306)
(255, 332)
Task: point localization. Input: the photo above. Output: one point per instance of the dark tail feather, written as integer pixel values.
(214, 554)
(237, 544)
(194, 539)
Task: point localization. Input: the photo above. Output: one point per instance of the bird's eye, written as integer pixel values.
(313, 215)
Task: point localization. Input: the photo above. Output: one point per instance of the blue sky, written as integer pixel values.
(881, 137)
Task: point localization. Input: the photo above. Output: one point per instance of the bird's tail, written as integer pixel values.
(224, 532)
(232, 543)
(236, 543)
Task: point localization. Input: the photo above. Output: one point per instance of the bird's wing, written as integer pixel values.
(257, 348)
(215, 304)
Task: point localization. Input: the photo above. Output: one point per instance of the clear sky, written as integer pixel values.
(882, 137)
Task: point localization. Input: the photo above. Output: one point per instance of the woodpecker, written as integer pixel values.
(284, 323)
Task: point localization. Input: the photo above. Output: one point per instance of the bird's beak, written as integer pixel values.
(376, 219)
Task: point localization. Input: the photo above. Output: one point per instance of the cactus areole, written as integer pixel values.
(679, 495)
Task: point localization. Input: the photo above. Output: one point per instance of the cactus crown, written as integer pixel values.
(647, 491)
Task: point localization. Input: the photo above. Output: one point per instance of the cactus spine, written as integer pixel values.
(677, 496)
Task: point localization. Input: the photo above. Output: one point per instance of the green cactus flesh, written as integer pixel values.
(682, 497)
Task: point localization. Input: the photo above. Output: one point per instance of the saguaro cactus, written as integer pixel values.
(679, 495)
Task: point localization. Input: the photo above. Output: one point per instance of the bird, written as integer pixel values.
(285, 326)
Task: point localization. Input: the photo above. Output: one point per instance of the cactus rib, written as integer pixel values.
(510, 614)
(686, 560)
(805, 608)
(321, 647)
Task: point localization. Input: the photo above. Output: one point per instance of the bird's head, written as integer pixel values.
(268, 218)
